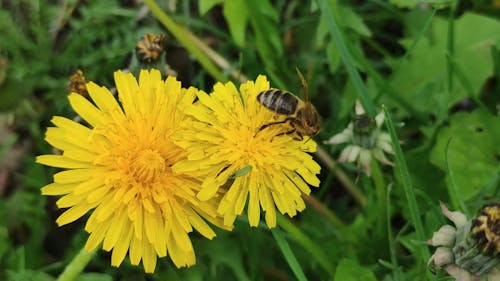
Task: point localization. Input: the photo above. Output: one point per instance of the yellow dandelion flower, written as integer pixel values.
(119, 170)
(227, 149)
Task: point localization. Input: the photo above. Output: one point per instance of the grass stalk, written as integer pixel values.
(402, 169)
(288, 254)
(302, 239)
(346, 57)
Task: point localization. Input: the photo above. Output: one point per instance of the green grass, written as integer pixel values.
(432, 68)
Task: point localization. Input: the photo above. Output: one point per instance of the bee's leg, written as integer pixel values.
(288, 133)
(270, 124)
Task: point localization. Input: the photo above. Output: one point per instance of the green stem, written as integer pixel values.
(76, 266)
(402, 168)
(378, 181)
(187, 39)
(338, 38)
(392, 246)
(347, 184)
(323, 210)
(301, 238)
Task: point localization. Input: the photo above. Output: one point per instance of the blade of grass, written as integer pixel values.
(346, 57)
(390, 237)
(288, 254)
(402, 169)
(456, 199)
(306, 243)
(380, 193)
(187, 39)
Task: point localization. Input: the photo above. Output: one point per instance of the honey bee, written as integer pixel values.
(486, 229)
(302, 117)
(150, 47)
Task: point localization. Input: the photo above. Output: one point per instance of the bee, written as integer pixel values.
(486, 229)
(301, 115)
(150, 47)
(78, 83)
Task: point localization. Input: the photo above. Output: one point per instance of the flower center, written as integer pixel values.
(364, 131)
(148, 166)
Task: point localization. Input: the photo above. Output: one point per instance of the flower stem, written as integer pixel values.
(378, 181)
(347, 184)
(338, 37)
(404, 174)
(323, 210)
(76, 266)
(301, 238)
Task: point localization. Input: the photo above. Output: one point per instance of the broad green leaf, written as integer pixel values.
(473, 152)
(350, 270)
(421, 77)
(205, 5)
(236, 15)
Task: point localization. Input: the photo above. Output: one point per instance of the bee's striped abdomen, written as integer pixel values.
(278, 101)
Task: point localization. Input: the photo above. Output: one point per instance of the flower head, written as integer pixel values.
(365, 140)
(119, 170)
(469, 251)
(228, 149)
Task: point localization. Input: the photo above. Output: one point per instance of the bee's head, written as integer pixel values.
(309, 120)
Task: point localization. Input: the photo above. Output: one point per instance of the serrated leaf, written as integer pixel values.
(236, 14)
(205, 5)
(352, 20)
(474, 154)
(420, 79)
(350, 270)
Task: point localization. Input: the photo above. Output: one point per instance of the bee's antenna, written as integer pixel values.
(305, 88)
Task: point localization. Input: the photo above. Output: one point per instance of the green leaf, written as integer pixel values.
(205, 5)
(333, 57)
(349, 19)
(350, 270)
(473, 153)
(421, 77)
(236, 14)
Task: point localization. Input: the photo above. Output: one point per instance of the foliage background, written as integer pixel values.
(433, 64)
